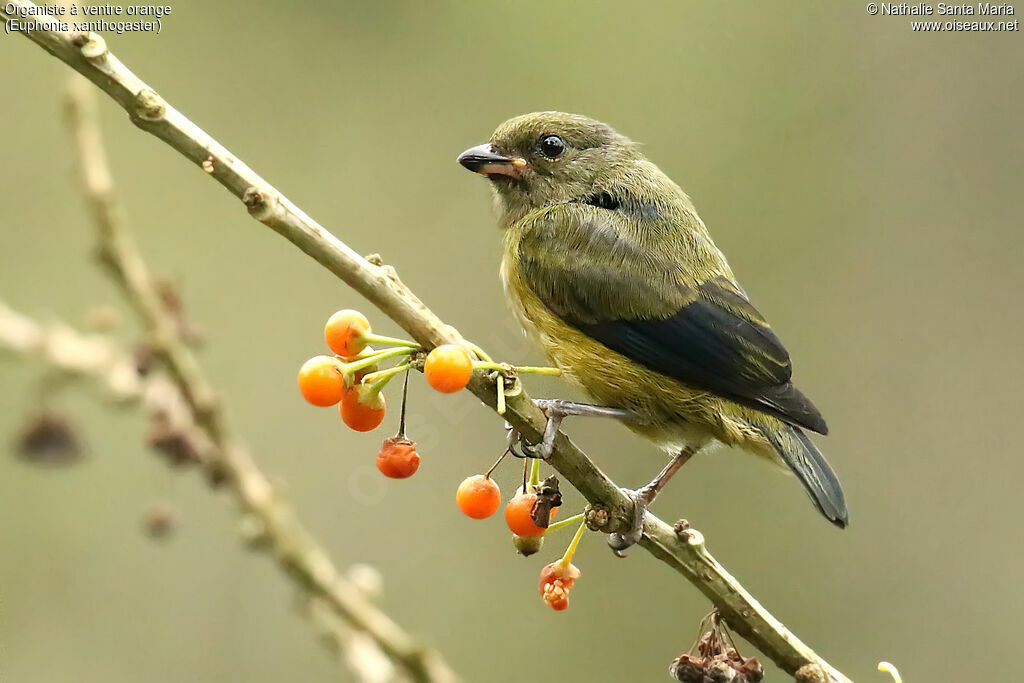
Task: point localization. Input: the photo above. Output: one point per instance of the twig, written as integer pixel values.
(299, 554)
(88, 54)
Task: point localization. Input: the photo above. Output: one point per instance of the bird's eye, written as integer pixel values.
(552, 146)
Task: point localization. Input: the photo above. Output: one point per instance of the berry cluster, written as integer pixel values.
(353, 379)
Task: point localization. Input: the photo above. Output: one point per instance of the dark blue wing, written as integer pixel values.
(709, 337)
(712, 348)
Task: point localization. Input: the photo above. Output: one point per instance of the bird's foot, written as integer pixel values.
(642, 499)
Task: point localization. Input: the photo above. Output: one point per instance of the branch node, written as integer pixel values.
(374, 259)
(91, 45)
(688, 535)
(148, 106)
(596, 517)
(259, 203)
(810, 673)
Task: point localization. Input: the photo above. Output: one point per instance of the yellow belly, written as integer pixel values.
(673, 414)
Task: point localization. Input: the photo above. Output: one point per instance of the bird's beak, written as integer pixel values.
(484, 160)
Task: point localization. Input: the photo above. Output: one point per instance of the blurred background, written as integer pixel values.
(864, 181)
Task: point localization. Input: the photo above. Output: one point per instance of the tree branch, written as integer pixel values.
(685, 552)
(291, 544)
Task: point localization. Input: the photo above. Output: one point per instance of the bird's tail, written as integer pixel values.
(813, 471)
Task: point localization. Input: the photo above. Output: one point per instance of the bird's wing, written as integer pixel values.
(632, 299)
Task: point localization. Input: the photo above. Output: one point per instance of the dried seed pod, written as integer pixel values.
(688, 669)
(49, 438)
(548, 498)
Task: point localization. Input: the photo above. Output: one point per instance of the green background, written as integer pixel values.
(864, 181)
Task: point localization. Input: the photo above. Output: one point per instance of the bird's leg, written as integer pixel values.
(556, 410)
(642, 499)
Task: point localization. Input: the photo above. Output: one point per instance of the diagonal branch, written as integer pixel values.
(297, 551)
(684, 552)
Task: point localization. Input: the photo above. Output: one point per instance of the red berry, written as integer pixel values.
(344, 332)
(321, 381)
(478, 496)
(448, 368)
(398, 458)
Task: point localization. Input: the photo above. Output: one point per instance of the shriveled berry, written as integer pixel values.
(478, 496)
(398, 458)
(556, 579)
(448, 368)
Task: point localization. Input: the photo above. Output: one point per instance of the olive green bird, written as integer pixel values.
(609, 267)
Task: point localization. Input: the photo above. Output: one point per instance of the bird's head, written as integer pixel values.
(545, 158)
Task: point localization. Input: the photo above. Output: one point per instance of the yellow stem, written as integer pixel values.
(534, 475)
(393, 341)
(373, 359)
(571, 550)
(383, 375)
(891, 670)
(480, 353)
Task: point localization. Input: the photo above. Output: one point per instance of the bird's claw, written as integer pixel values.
(554, 410)
(540, 450)
(620, 542)
(519, 447)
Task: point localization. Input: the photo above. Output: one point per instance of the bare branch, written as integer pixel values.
(298, 552)
(684, 552)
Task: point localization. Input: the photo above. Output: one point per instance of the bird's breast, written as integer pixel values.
(608, 377)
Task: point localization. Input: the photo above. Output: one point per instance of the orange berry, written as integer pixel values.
(321, 381)
(517, 515)
(448, 368)
(362, 411)
(344, 332)
(478, 496)
(398, 458)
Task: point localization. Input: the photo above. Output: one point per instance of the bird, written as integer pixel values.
(607, 265)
